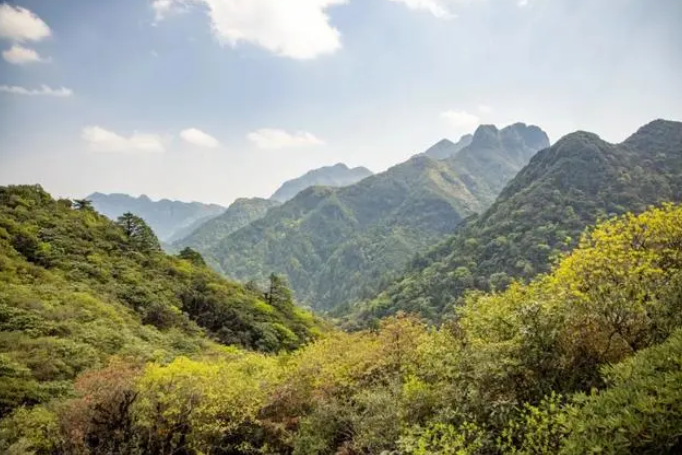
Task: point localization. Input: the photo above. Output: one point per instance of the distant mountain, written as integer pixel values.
(494, 157)
(336, 176)
(337, 244)
(541, 213)
(446, 148)
(240, 213)
(170, 220)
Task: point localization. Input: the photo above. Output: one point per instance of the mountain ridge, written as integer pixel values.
(540, 214)
(337, 244)
(337, 175)
(169, 219)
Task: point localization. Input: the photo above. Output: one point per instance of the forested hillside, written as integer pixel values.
(170, 220)
(587, 359)
(337, 245)
(240, 213)
(540, 214)
(77, 288)
(335, 176)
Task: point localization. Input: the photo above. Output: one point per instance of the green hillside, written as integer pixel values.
(240, 213)
(585, 360)
(338, 245)
(540, 214)
(77, 288)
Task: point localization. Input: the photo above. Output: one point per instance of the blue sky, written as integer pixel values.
(211, 100)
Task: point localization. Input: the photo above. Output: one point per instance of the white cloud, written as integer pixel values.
(20, 24)
(298, 29)
(20, 55)
(198, 137)
(277, 139)
(164, 8)
(103, 140)
(439, 8)
(444, 9)
(44, 90)
(484, 109)
(460, 119)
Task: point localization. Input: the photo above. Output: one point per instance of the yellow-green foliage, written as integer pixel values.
(76, 288)
(583, 360)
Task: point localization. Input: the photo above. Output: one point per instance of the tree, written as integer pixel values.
(279, 294)
(83, 204)
(192, 256)
(138, 232)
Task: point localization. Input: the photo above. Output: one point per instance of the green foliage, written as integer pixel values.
(539, 216)
(192, 256)
(585, 359)
(76, 288)
(139, 234)
(640, 411)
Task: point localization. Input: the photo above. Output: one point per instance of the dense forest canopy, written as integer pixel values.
(586, 359)
(77, 288)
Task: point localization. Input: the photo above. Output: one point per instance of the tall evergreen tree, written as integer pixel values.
(138, 232)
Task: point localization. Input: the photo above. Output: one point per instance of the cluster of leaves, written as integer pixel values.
(336, 245)
(77, 288)
(587, 359)
(539, 215)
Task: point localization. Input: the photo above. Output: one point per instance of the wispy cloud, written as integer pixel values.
(439, 8)
(460, 119)
(485, 109)
(20, 55)
(103, 140)
(197, 137)
(44, 90)
(267, 138)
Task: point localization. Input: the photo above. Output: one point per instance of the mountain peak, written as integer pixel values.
(656, 128)
(445, 148)
(486, 135)
(335, 176)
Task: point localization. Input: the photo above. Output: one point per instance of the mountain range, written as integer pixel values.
(109, 345)
(539, 215)
(173, 221)
(170, 220)
(337, 244)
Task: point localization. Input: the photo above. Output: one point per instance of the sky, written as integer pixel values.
(211, 100)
